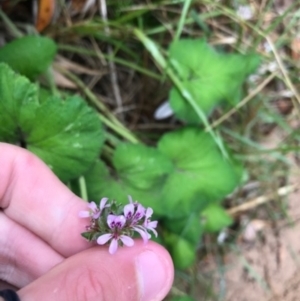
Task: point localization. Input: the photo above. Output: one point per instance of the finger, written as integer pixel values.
(4, 285)
(143, 272)
(31, 195)
(20, 254)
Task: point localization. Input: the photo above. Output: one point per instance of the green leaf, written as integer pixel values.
(18, 101)
(182, 252)
(30, 55)
(215, 218)
(67, 134)
(211, 77)
(140, 166)
(184, 298)
(201, 175)
(188, 228)
(101, 183)
(139, 171)
(182, 237)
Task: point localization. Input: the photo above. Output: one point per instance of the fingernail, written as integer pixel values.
(152, 276)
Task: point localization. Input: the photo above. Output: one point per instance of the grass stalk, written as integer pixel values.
(182, 19)
(160, 60)
(110, 121)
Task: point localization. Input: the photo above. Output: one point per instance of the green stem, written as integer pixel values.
(11, 26)
(83, 190)
(51, 82)
(111, 121)
(153, 49)
(117, 60)
(181, 23)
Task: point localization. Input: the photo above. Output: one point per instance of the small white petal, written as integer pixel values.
(153, 224)
(222, 237)
(128, 209)
(121, 220)
(103, 202)
(127, 241)
(92, 206)
(163, 111)
(113, 247)
(111, 219)
(149, 212)
(96, 215)
(140, 211)
(154, 231)
(103, 239)
(144, 234)
(84, 214)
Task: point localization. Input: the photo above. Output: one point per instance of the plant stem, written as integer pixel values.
(182, 20)
(112, 122)
(117, 60)
(153, 49)
(83, 190)
(11, 26)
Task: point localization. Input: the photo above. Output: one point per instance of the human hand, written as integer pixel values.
(43, 253)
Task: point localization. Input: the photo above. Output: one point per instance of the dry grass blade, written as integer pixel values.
(282, 191)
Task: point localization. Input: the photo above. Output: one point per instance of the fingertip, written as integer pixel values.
(155, 272)
(141, 273)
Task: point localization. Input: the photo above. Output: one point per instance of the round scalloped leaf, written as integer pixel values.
(201, 175)
(183, 253)
(18, 101)
(67, 134)
(210, 77)
(29, 55)
(140, 166)
(100, 183)
(188, 228)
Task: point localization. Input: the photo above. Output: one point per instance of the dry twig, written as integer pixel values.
(282, 191)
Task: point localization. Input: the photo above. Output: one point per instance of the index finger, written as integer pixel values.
(31, 195)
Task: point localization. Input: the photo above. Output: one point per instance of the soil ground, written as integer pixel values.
(267, 268)
(274, 261)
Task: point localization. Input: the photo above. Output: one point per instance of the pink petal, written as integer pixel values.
(127, 241)
(120, 219)
(149, 212)
(103, 239)
(92, 206)
(102, 203)
(144, 234)
(113, 247)
(128, 209)
(111, 219)
(96, 215)
(140, 212)
(154, 231)
(84, 214)
(152, 224)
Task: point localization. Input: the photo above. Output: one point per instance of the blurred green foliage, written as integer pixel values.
(29, 55)
(184, 179)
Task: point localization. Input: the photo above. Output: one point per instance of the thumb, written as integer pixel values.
(141, 273)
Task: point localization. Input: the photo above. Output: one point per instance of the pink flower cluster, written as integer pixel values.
(111, 222)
